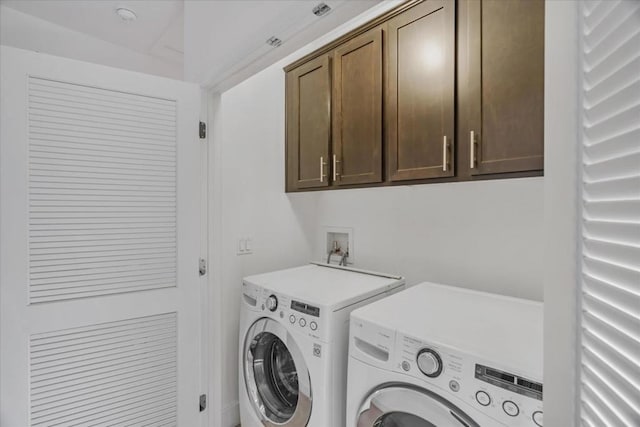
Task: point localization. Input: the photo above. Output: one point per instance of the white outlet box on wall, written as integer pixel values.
(332, 237)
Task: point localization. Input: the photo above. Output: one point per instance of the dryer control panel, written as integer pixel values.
(511, 398)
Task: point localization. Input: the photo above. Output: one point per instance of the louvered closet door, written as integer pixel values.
(609, 368)
(99, 215)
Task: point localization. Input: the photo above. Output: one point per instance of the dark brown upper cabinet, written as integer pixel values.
(430, 91)
(505, 127)
(357, 110)
(419, 103)
(309, 124)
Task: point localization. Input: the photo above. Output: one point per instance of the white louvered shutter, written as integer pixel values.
(609, 369)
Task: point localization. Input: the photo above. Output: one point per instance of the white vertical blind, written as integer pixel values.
(609, 370)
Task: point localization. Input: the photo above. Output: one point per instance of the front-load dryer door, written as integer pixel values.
(404, 405)
(276, 375)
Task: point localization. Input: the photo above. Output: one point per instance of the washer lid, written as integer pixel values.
(332, 288)
(404, 405)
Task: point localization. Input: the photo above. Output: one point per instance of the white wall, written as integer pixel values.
(483, 235)
(28, 32)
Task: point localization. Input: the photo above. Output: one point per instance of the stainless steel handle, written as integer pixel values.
(335, 168)
(444, 153)
(322, 163)
(472, 150)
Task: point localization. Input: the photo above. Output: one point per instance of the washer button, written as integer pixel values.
(406, 366)
(483, 398)
(454, 385)
(302, 322)
(537, 418)
(313, 326)
(292, 319)
(510, 408)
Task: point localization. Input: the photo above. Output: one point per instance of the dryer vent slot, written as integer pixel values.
(250, 300)
(371, 350)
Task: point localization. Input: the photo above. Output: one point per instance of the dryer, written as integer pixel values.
(437, 355)
(294, 342)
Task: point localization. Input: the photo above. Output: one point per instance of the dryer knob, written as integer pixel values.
(272, 303)
(429, 362)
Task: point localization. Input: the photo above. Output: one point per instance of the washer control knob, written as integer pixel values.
(483, 398)
(313, 326)
(510, 408)
(429, 362)
(292, 319)
(302, 322)
(537, 418)
(272, 303)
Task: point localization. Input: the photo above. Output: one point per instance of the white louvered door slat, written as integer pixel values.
(100, 244)
(609, 370)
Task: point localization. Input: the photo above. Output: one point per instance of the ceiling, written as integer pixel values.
(217, 42)
(226, 40)
(158, 30)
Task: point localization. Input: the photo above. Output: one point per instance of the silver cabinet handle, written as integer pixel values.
(335, 168)
(322, 163)
(444, 153)
(472, 150)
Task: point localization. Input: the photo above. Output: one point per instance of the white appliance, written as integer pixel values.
(436, 355)
(294, 342)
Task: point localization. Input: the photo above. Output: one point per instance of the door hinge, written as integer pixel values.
(203, 130)
(203, 402)
(202, 266)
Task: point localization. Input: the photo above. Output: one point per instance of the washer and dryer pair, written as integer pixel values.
(427, 356)
(294, 339)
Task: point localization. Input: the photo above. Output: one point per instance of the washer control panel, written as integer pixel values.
(510, 398)
(299, 315)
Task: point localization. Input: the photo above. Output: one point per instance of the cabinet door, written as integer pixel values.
(357, 97)
(420, 91)
(309, 124)
(506, 83)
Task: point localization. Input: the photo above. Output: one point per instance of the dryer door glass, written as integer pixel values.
(409, 406)
(276, 375)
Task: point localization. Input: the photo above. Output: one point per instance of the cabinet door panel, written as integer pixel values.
(420, 91)
(357, 134)
(309, 124)
(507, 79)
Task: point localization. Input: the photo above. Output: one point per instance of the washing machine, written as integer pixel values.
(435, 355)
(294, 342)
